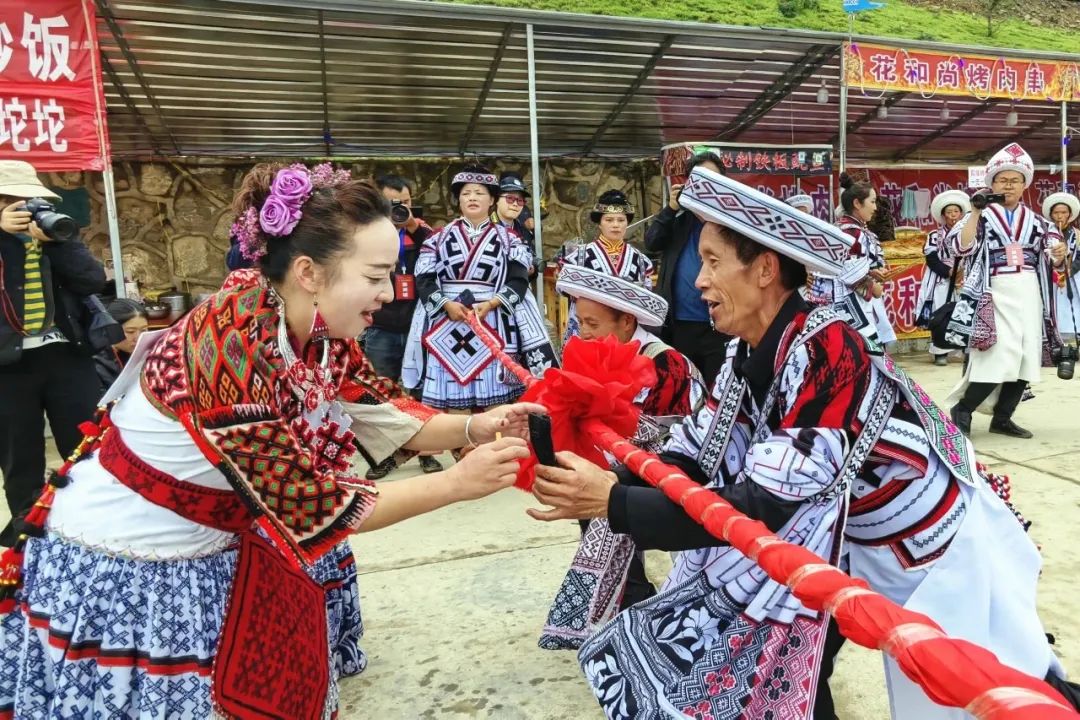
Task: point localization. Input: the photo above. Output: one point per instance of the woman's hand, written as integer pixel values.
(15, 220)
(455, 311)
(509, 420)
(482, 309)
(575, 491)
(487, 469)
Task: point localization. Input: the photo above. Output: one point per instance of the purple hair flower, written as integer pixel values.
(292, 185)
(277, 218)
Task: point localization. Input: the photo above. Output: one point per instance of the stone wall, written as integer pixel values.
(174, 216)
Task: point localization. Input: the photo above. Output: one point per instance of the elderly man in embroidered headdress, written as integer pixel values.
(1004, 314)
(607, 574)
(825, 442)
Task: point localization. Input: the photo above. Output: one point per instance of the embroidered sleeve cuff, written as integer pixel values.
(435, 303)
(365, 494)
(508, 298)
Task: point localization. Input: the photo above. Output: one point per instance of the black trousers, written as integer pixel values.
(1011, 395)
(704, 346)
(824, 709)
(50, 380)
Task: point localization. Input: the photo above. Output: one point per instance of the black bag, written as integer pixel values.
(102, 330)
(940, 319)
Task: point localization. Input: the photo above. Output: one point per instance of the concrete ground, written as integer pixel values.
(453, 601)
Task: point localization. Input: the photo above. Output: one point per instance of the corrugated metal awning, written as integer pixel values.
(340, 78)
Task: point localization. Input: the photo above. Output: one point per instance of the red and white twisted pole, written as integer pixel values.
(951, 672)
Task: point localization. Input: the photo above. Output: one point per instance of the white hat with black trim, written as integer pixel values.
(801, 201)
(614, 292)
(959, 198)
(1060, 198)
(819, 246)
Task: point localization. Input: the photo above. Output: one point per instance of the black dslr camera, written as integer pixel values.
(1065, 358)
(399, 212)
(981, 199)
(57, 226)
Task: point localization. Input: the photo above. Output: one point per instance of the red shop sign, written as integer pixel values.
(52, 105)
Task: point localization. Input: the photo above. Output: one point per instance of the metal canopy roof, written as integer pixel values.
(360, 78)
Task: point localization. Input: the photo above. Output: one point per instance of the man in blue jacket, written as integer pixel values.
(45, 359)
(674, 234)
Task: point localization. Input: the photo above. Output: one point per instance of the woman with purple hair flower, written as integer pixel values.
(191, 560)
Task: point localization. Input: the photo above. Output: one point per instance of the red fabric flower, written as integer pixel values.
(598, 380)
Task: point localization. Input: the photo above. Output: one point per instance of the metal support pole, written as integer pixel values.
(843, 113)
(1064, 146)
(832, 200)
(106, 161)
(534, 149)
(114, 230)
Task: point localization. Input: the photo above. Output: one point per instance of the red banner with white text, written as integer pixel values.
(52, 105)
(877, 67)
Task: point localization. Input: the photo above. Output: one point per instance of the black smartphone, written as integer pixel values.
(540, 438)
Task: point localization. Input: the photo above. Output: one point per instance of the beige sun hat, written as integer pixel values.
(19, 179)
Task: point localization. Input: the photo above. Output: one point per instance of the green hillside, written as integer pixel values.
(897, 19)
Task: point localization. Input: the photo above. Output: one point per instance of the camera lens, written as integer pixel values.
(57, 226)
(399, 213)
(1065, 369)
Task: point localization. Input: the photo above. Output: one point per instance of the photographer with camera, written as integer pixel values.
(45, 356)
(1063, 209)
(1003, 314)
(384, 341)
(674, 234)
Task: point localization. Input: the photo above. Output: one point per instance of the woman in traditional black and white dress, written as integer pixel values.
(1063, 209)
(1004, 313)
(473, 264)
(609, 253)
(947, 209)
(856, 292)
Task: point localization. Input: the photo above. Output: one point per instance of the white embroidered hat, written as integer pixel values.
(800, 202)
(821, 247)
(1060, 198)
(1011, 157)
(959, 198)
(614, 292)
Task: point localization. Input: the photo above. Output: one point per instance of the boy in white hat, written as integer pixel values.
(947, 209)
(1005, 310)
(1062, 209)
(45, 360)
(608, 565)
